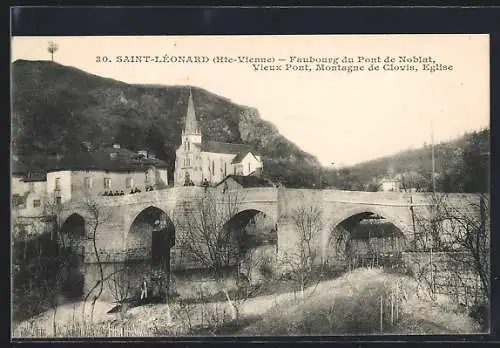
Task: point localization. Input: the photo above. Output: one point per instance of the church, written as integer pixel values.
(200, 162)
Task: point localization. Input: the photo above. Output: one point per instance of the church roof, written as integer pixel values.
(229, 148)
(239, 157)
(248, 181)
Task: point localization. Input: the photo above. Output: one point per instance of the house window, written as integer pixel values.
(129, 182)
(187, 145)
(88, 183)
(225, 168)
(234, 170)
(58, 200)
(213, 167)
(249, 167)
(146, 180)
(58, 183)
(107, 183)
(36, 203)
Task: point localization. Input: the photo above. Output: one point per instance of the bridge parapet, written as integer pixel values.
(291, 199)
(361, 197)
(254, 194)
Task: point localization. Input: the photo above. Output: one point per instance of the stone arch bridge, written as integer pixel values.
(120, 217)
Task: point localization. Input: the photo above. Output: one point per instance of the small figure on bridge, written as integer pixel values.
(205, 183)
(144, 289)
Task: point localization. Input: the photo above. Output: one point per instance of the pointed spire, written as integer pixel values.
(191, 125)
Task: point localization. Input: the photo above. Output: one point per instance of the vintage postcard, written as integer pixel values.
(168, 186)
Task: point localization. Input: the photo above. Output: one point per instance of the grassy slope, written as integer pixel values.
(347, 305)
(350, 305)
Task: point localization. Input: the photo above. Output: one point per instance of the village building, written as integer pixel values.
(390, 185)
(201, 162)
(28, 187)
(110, 170)
(232, 182)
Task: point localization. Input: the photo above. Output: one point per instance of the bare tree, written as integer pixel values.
(206, 239)
(42, 272)
(308, 224)
(52, 48)
(119, 284)
(460, 232)
(413, 181)
(468, 230)
(98, 215)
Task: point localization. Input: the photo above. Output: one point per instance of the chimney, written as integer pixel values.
(116, 146)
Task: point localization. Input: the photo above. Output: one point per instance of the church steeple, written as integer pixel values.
(191, 125)
(191, 132)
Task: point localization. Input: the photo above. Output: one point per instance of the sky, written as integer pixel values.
(341, 118)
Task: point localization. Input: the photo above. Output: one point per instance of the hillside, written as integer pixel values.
(461, 165)
(56, 108)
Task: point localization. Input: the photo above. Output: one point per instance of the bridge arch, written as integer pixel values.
(149, 240)
(74, 225)
(151, 233)
(73, 229)
(252, 237)
(365, 233)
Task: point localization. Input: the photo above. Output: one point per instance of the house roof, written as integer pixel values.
(35, 176)
(18, 167)
(34, 168)
(248, 181)
(108, 158)
(229, 148)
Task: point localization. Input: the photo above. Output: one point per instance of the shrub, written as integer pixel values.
(479, 312)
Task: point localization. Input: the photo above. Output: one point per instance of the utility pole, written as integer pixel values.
(433, 161)
(433, 216)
